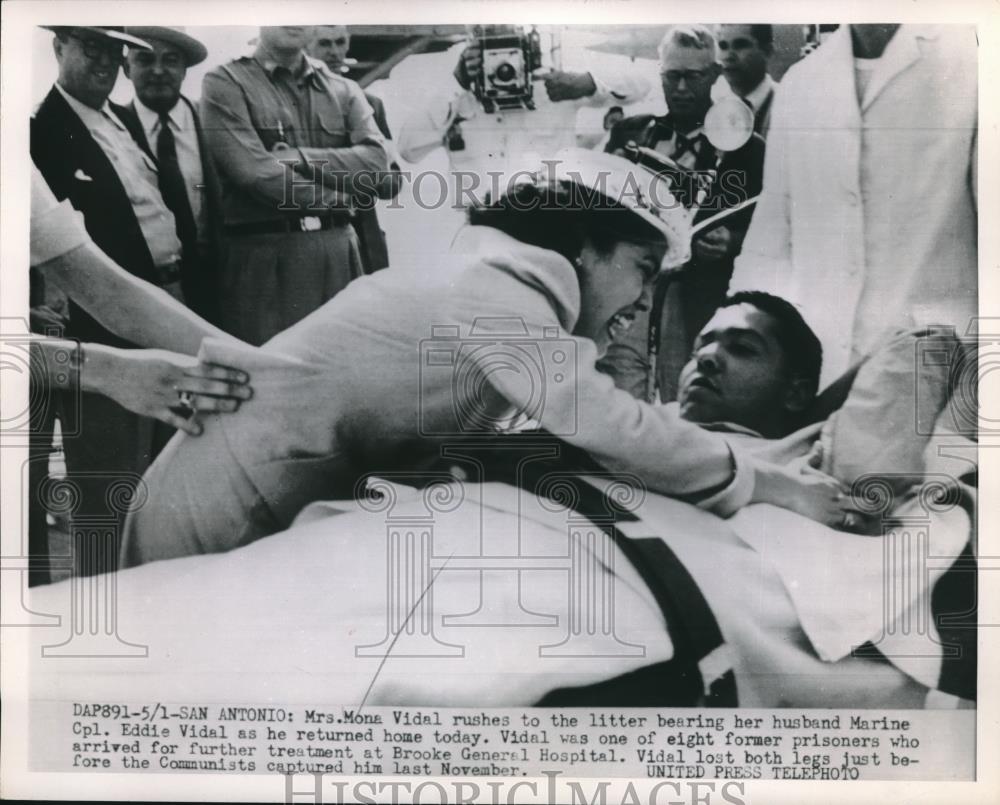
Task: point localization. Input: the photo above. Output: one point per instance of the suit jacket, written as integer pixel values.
(75, 168)
(199, 280)
(872, 203)
(740, 172)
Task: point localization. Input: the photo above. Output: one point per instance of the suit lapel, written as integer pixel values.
(85, 150)
(209, 176)
(130, 117)
(900, 54)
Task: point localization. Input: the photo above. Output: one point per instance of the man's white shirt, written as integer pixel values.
(138, 175)
(188, 151)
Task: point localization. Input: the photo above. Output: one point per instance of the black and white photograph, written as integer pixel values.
(440, 404)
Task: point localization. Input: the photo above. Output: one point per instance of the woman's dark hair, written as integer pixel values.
(562, 217)
(802, 349)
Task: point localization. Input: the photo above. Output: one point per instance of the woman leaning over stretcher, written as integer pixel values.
(402, 362)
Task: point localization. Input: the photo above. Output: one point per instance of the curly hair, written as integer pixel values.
(802, 349)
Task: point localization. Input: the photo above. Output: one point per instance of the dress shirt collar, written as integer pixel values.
(91, 117)
(758, 94)
(666, 126)
(306, 69)
(150, 119)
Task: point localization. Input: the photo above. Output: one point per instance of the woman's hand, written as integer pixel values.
(151, 382)
(804, 490)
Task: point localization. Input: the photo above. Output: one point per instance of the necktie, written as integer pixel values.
(173, 189)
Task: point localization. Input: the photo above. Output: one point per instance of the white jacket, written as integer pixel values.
(868, 215)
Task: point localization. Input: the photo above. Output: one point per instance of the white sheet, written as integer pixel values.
(282, 619)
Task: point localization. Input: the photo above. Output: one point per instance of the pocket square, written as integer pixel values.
(81, 176)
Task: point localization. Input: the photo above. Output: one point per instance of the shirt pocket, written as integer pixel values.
(330, 122)
(272, 120)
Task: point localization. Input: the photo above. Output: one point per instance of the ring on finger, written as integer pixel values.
(186, 399)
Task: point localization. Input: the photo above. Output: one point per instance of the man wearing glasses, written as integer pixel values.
(688, 69)
(87, 155)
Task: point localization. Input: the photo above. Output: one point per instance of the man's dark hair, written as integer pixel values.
(764, 34)
(803, 352)
(562, 218)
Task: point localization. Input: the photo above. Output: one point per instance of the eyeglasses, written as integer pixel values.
(689, 76)
(93, 49)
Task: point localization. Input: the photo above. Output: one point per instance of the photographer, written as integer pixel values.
(549, 272)
(487, 145)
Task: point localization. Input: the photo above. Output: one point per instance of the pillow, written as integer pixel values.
(883, 427)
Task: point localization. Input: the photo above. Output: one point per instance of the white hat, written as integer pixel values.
(194, 51)
(113, 32)
(632, 186)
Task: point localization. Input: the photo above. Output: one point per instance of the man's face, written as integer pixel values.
(744, 62)
(286, 37)
(737, 372)
(330, 44)
(687, 75)
(157, 75)
(88, 66)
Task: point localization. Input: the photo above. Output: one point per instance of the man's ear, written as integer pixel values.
(716, 69)
(798, 395)
(57, 47)
(125, 68)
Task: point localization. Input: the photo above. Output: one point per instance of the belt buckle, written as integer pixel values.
(310, 223)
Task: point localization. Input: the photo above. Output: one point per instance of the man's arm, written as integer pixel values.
(365, 154)
(236, 149)
(424, 129)
(621, 88)
(126, 305)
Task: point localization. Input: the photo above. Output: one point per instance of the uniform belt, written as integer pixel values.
(168, 274)
(306, 223)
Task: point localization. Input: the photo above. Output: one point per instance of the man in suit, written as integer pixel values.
(744, 51)
(86, 155)
(868, 218)
(167, 126)
(330, 44)
(688, 69)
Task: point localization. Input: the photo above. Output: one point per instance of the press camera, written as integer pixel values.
(510, 55)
